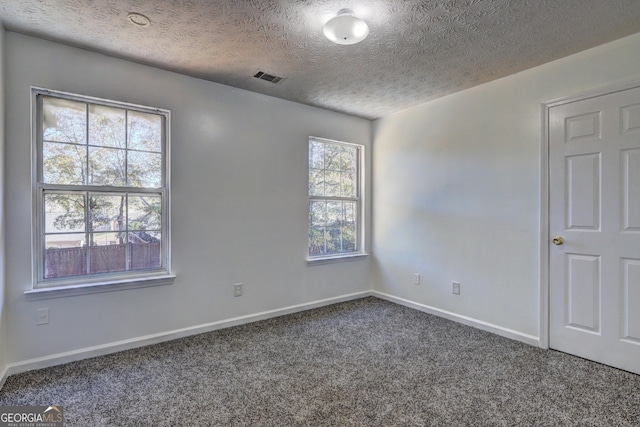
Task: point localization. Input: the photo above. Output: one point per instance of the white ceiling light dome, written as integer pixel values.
(346, 28)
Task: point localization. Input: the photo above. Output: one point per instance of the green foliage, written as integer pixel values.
(121, 149)
(333, 186)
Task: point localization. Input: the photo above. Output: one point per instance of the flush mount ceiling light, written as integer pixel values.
(138, 19)
(345, 28)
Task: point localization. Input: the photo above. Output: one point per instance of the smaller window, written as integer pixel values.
(335, 189)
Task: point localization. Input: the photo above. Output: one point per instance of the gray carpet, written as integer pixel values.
(361, 363)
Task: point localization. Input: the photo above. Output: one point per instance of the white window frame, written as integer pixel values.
(104, 281)
(359, 199)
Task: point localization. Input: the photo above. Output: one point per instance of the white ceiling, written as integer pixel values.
(417, 50)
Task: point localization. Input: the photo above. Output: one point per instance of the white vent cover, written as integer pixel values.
(268, 77)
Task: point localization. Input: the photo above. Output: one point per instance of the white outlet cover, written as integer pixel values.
(237, 290)
(455, 288)
(43, 316)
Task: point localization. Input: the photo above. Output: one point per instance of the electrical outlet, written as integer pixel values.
(237, 290)
(43, 316)
(416, 278)
(455, 288)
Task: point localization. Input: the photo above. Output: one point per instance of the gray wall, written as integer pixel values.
(457, 189)
(4, 342)
(239, 203)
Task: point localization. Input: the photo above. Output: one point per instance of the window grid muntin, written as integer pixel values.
(41, 93)
(359, 158)
(127, 230)
(40, 187)
(327, 227)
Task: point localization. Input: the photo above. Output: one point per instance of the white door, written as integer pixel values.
(594, 190)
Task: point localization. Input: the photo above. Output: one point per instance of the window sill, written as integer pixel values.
(336, 258)
(94, 288)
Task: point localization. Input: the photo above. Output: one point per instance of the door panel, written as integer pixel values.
(631, 300)
(594, 202)
(585, 126)
(583, 192)
(631, 118)
(631, 189)
(583, 292)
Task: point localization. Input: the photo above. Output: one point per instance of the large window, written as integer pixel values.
(101, 190)
(334, 198)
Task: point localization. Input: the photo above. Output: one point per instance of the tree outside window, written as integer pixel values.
(101, 187)
(334, 198)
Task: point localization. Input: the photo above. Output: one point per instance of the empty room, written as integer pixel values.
(320, 213)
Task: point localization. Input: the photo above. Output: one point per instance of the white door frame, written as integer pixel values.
(544, 198)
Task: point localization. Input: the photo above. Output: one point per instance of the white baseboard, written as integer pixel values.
(104, 349)
(101, 350)
(469, 321)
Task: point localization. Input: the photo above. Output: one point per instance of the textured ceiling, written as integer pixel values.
(417, 50)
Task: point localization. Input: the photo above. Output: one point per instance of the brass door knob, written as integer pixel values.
(558, 240)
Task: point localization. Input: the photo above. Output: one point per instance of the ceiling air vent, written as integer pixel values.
(268, 77)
